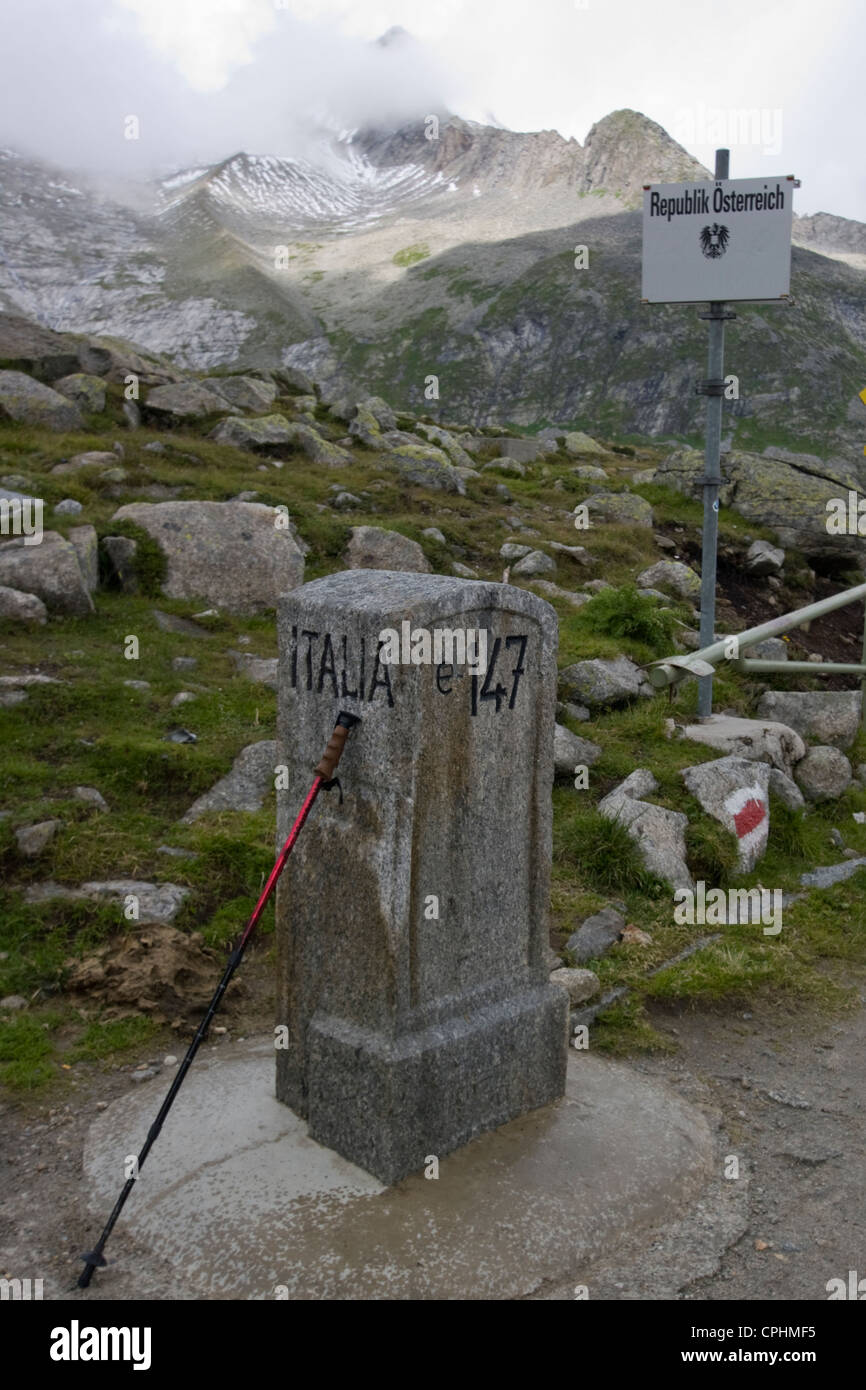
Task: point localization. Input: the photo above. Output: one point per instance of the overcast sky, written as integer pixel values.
(208, 77)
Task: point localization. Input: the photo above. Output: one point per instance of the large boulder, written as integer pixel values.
(28, 402)
(88, 392)
(316, 448)
(421, 464)
(244, 787)
(832, 716)
(581, 445)
(660, 834)
(824, 774)
(233, 554)
(185, 400)
(446, 441)
(601, 682)
(245, 392)
(672, 575)
(51, 570)
(621, 508)
(734, 791)
(372, 548)
(263, 432)
(26, 346)
(758, 740)
(788, 494)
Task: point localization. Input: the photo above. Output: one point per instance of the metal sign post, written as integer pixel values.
(713, 388)
(714, 242)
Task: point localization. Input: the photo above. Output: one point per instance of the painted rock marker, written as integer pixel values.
(412, 919)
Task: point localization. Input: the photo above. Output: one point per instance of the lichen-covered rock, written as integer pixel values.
(446, 441)
(426, 466)
(244, 392)
(619, 507)
(232, 554)
(366, 428)
(788, 494)
(262, 432)
(316, 448)
(581, 445)
(29, 402)
(88, 392)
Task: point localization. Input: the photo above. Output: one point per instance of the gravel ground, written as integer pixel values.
(785, 1090)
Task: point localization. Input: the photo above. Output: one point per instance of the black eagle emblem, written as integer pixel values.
(714, 241)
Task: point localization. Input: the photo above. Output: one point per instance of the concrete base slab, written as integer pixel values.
(239, 1198)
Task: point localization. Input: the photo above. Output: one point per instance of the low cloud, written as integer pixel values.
(74, 74)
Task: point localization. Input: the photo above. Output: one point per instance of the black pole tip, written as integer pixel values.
(348, 720)
(92, 1261)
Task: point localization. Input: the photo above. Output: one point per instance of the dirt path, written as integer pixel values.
(785, 1090)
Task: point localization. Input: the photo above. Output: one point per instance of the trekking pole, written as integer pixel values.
(324, 780)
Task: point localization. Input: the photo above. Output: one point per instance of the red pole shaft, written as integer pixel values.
(281, 860)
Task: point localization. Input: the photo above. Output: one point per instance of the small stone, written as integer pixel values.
(345, 501)
(91, 796)
(596, 935)
(180, 736)
(34, 839)
(182, 697)
(144, 1075)
(434, 534)
(634, 936)
(536, 562)
(184, 663)
(170, 1060)
(68, 507)
(581, 984)
(502, 492)
(138, 685)
(13, 1002)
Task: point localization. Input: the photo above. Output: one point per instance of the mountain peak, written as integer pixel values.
(625, 149)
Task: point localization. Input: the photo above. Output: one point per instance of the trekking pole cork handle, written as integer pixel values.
(327, 764)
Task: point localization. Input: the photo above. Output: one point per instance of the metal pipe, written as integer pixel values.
(669, 670)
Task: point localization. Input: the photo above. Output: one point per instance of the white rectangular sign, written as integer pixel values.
(721, 239)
